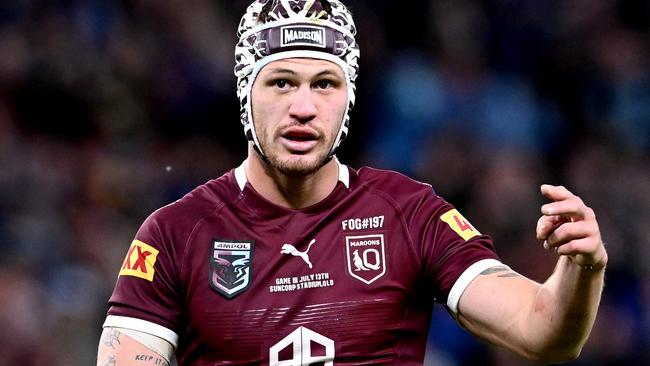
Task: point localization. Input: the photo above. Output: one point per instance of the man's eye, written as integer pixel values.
(324, 84)
(281, 83)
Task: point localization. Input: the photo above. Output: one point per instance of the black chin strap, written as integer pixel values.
(259, 152)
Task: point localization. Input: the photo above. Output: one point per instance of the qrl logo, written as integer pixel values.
(230, 267)
(303, 342)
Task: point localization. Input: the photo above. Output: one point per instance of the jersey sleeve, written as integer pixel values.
(146, 297)
(453, 251)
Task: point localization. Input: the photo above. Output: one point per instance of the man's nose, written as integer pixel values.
(303, 106)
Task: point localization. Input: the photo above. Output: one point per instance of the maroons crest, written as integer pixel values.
(366, 257)
(230, 271)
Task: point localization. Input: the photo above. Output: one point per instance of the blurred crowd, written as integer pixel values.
(110, 109)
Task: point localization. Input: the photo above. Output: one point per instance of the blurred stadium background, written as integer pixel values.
(112, 108)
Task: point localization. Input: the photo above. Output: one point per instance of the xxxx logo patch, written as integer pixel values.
(459, 224)
(140, 261)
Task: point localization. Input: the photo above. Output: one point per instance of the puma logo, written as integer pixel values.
(358, 262)
(290, 249)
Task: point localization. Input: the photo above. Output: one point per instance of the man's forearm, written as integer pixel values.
(566, 307)
(547, 322)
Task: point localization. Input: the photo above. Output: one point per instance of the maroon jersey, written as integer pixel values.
(232, 279)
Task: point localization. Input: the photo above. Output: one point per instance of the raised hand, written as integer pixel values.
(569, 227)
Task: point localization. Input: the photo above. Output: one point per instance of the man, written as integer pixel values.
(294, 258)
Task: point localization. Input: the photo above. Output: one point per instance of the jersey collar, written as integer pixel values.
(240, 174)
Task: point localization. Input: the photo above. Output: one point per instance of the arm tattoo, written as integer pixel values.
(499, 269)
(152, 360)
(110, 361)
(112, 338)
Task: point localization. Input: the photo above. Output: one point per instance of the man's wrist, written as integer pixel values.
(598, 266)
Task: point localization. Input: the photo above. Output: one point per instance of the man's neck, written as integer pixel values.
(294, 192)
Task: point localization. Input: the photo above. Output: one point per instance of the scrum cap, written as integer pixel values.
(272, 30)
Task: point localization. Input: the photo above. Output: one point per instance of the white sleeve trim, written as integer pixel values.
(142, 326)
(465, 279)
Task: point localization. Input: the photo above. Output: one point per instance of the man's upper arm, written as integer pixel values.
(123, 347)
(494, 304)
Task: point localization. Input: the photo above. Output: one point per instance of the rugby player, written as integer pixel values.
(294, 258)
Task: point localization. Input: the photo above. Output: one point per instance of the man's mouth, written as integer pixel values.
(299, 135)
(299, 140)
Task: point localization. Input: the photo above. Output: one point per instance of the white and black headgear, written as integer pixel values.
(278, 29)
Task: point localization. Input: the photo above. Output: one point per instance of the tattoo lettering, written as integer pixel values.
(500, 269)
(152, 360)
(112, 338)
(143, 357)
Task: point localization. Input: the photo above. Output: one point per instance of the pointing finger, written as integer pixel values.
(565, 204)
(555, 193)
(572, 207)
